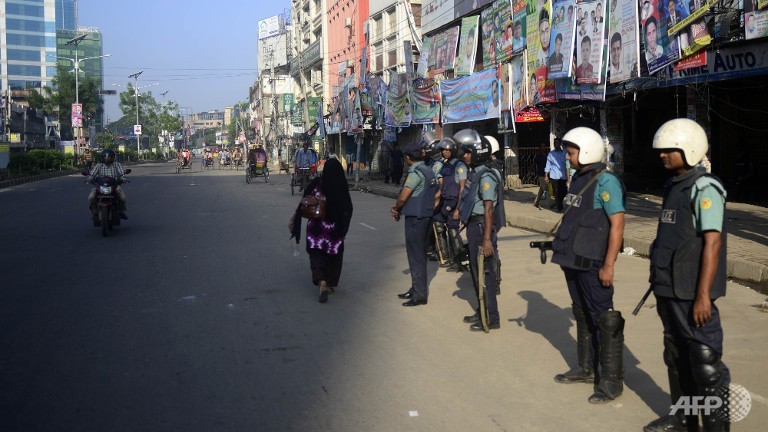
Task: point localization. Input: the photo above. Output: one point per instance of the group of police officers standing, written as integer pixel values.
(687, 258)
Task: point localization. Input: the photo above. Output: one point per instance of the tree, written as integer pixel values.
(237, 122)
(56, 99)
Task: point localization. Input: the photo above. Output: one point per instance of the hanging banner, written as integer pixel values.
(408, 57)
(336, 117)
(561, 40)
(589, 43)
(471, 98)
(660, 48)
(421, 70)
(682, 14)
(355, 115)
(538, 39)
(505, 86)
(426, 102)
(504, 30)
(488, 41)
(445, 49)
(623, 41)
(694, 38)
(755, 20)
(398, 112)
(519, 14)
(363, 80)
(465, 64)
(314, 110)
(519, 68)
(320, 120)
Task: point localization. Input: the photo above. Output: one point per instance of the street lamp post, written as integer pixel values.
(135, 76)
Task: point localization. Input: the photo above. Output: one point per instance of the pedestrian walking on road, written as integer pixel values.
(586, 246)
(556, 173)
(481, 209)
(539, 166)
(325, 237)
(688, 275)
(416, 202)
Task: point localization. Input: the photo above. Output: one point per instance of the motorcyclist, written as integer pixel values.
(108, 167)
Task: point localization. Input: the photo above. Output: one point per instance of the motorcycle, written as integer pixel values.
(107, 202)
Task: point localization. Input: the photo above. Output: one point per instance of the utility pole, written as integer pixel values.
(135, 76)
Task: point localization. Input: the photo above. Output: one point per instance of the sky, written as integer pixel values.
(202, 52)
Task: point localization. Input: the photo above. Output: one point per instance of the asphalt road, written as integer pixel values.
(196, 316)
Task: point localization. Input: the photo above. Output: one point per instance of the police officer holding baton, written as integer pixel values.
(481, 209)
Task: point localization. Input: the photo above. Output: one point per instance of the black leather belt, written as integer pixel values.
(477, 218)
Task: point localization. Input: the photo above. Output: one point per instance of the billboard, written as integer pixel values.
(269, 27)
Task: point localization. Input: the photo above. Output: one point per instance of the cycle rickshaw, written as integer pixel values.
(257, 166)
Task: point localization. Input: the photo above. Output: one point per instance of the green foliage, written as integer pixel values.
(106, 140)
(56, 99)
(37, 161)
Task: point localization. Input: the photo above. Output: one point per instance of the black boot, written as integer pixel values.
(458, 256)
(712, 379)
(582, 373)
(442, 243)
(677, 422)
(611, 381)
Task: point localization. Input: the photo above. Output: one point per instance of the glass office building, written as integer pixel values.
(66, 14)
(28, 58)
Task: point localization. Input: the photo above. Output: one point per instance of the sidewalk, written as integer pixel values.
(747, 227)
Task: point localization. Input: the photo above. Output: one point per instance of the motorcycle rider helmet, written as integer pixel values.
(471, 141)
(589, 143)
(108, 156)
(685, 135)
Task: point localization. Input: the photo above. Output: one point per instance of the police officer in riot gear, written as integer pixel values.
(586, 246)
(688, 274)
(431, 156)
(453, 177)
(481, 209)
(416, 202)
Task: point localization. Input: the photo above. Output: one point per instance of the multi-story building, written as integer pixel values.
(205, 120)
(388, 28)
(66, 14)
(309, 65)
(28, 51)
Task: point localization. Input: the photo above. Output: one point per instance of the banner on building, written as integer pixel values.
(538, 39)
(755, 20)
(471, 98)
(355, 115)
(561, 39)
(408, 57)
(660, 48)
(488, 40)
(315, 111)
(623, 41)
(426, 102)
(503, 29)
(421, 70)
(445, 49)
(589, 43)
(505, 86)
(465, 63)
(519, 73)
(519, 16)
(398, 112)
(269, 27)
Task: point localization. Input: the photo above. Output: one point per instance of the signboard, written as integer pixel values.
(137, 129)
(5, 155)
(529, 116)
(287, 102)
(77, 115)
(313, 53)
(269, 27)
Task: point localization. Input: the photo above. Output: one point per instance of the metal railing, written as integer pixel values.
(525, 157)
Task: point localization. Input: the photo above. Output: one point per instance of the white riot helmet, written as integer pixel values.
(589, 143)
(684, 135)
(494, 144)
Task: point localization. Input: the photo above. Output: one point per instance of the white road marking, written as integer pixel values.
(368, 226)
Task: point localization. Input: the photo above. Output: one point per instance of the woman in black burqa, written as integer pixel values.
(325, 237)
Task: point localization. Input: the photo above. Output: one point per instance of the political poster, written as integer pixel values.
(488, 37)
(471, 98)
(755, 20)
(398, 112)
(334, 126)
(421, 69)
(465, 63)
(503, 26)
(561, 39)
(589, 42)
(519, 72)
(355, 113)
(537, 39)
(505, 86)
(451, 42)
(408, 58)
(519, 14)
(660, 48)
(623, 41)
(426, 102)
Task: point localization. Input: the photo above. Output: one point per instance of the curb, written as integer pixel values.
(34, 178)
(753, 274)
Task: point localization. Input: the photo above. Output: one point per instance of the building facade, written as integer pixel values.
(309, 64)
